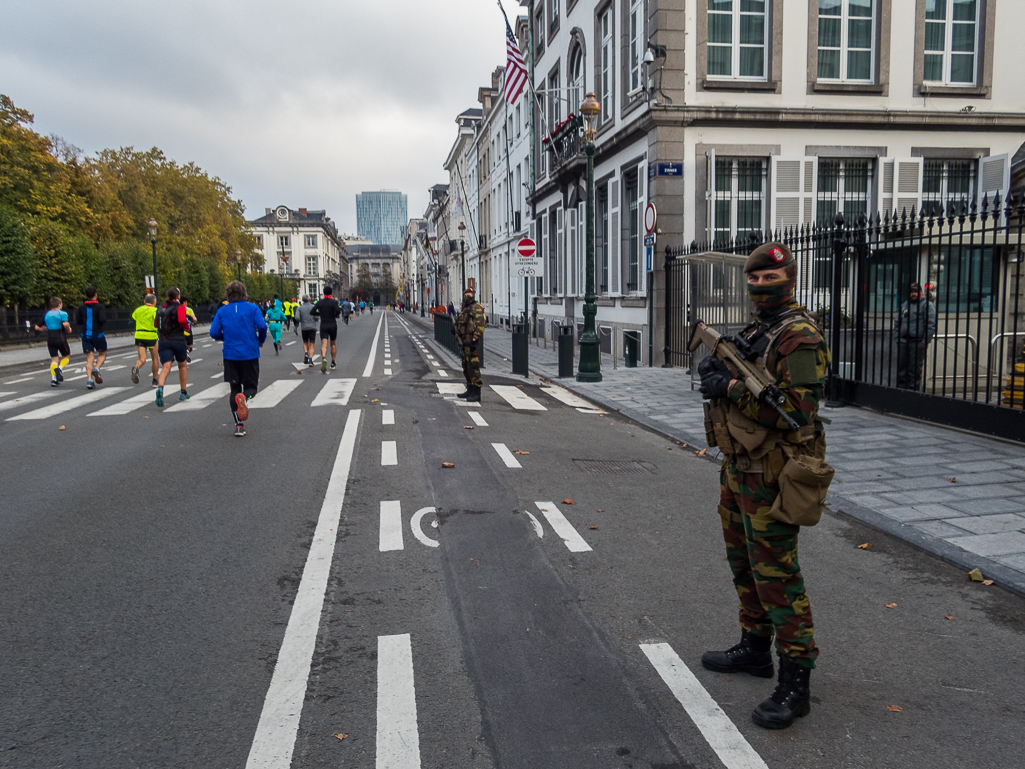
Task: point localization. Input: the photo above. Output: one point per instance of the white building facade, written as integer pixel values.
(302, 245)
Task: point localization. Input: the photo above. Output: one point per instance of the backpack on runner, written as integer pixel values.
(167, 320)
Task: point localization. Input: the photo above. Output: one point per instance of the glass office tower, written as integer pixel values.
(381, 216)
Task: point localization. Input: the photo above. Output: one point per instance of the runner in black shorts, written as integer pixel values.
(57, 327)
(305, 321)
(328, 310)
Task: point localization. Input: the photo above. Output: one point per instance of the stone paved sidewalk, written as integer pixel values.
(957, 495)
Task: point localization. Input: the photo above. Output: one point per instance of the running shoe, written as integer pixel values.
(242, 408)
(90, 385)
(155, 383)
(183, 396)
(135, 375)
(310, 364)
(332, 364)
(96, 376)
(54, 382)
(323, 366)
(60, 375)
(306, 359)
(240, 431)
(188, 356)
(160, 397)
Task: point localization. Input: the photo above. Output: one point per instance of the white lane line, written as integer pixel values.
(477, 419)
(219, 375)
(417, 527)
(23, 379)
(506, 455)
(388, 417)
(387, 372)
(59, 408)
(289, 344)
(389, 453)
(391, 525)
(25, 400)
(398, 741)
(274, 741)
(127, 406)
(722, 734)
(373, 349)
(570, 399)
(198, 401)
(273, 395)
(574, 542)
(9, 392)
(517, 398)
(335, 392)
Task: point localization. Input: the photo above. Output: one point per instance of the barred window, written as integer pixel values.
(601, 241)
(739, 205)
(631, 194)
(606, 65)
(945, 182)
(736, 39)
(846, 35)
(951, 41)
(844, 187)
(636, 43)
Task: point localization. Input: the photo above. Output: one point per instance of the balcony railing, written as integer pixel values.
(563, 143)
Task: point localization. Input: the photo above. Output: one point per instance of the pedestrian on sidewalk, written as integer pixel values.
(328, 310)
(913, 329)
(761, 545)
(171, 322)
(307, 323)
(91, 317)
(55, 322)
(470, 327)
(146, 336)
(242, 329)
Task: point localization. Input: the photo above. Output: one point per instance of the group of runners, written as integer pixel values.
(164, 335)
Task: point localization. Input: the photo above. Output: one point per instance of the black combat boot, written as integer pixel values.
(474, 396)
(466, 393)
(792, 698)
(751, 655)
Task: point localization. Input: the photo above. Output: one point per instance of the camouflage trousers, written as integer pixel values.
(762, 553)
(471, 365)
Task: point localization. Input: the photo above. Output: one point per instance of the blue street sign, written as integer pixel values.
(670, 169)
(647, 255)
(649, 240)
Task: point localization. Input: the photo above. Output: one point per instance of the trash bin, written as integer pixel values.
(520, 346)
(565, 351)
(631, 347)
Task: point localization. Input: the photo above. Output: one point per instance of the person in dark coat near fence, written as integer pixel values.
(913, 329)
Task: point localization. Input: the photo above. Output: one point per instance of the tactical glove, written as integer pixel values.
(711, 365)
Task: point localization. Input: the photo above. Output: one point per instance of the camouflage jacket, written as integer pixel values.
(470, 324)
(800, 360)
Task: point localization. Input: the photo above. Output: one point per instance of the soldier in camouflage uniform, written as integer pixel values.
(761, 550)
(470, 327)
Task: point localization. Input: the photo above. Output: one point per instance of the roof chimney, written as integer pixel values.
(266, 211)
(302, 212)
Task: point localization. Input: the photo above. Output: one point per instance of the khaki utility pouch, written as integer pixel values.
(803, 485)
(716, 433)
(753, 437)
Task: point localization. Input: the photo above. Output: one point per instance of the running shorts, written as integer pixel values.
(98, 344)
(275, 331)
(58, 347)
(173, 350)
(331, 332)
(147, 343)
(242, 372)
(309, 335)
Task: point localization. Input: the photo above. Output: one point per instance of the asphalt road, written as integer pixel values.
(325, 593)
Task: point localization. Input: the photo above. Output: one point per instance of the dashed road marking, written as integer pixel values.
(398, 741)
(389, 453)
(517, 398)
(391, 525)
(388, 417)
(506, 455)
(574, 542)
(477, 419)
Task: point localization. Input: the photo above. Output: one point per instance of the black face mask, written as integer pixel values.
(467, 301)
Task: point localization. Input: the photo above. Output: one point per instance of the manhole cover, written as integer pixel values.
(614, 467)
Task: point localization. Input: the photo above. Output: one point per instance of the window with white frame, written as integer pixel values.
(737, 39)
(575, 80)
(846, 40)
(951, 41)
(636, 43)
(259, 240)
(632, 230)
(606, 64)
(844, 187)
(946, 182)
(601, 240)
(311, 265)
(518, 121)
(739, 198)
(554, 101)
(553, 15)
(539, 32)
(311, 241)
(283, 241)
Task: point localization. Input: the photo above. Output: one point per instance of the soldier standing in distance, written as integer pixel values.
(761, 550)
(470, 327)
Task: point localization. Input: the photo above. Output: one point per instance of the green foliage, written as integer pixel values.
(60, 271)
(364, 287)
(17, 264)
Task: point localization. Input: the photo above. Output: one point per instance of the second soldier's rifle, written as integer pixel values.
(739, 358)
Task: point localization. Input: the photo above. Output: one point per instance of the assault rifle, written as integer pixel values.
(739, 358)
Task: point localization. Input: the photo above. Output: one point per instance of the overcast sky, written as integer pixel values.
(295, 102)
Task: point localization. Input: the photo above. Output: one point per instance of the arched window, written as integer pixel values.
(575, 80)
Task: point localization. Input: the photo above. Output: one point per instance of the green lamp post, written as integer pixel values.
(589, 368)
(238, 263)
(153, 240)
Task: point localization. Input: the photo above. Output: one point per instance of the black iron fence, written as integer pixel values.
(445, 333)
(956, 356)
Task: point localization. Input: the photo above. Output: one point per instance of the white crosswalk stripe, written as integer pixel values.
(506, 455)
(574, 542)
(518, 399)
(335, 392)
(127, 406)
(68, 405)
(5, 394)
(275, 393)
(477, 418)
(200, 400)
(25, 400)
(571, 399)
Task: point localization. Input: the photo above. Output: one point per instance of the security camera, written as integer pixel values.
(649, 57)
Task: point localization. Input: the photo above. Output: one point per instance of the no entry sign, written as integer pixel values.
(525, 261)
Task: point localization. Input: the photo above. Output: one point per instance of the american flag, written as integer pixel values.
(515, 68)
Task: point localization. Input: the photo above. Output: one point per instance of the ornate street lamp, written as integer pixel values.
(153, 240)
(462, 255)
(238, 263)
(589, 368)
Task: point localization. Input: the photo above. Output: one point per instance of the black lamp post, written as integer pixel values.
(589, 368)
(153, 241)
(238, 263)
(462, 253)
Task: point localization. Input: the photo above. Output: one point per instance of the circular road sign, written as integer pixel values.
(526, 247)
(650, 215)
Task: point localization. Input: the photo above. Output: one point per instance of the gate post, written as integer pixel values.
(836, 307)
(668, 308)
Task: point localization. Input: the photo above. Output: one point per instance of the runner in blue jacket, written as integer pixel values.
(241, 327)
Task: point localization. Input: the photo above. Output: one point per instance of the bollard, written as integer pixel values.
(520, 352)
(565, 351)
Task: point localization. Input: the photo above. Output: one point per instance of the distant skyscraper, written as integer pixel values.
(381, 216)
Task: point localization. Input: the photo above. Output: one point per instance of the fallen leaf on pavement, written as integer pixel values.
(448, 464)
(976, 575)
(467, 427)
(895, 708)
(593, 528)
(891, 606)
(947, 616)
(601, 510)
(339, 735)
(952, 480)
(865, 546)
(568, 502)
(518, 451)
(988, 582)
(376, 400)
(703, 452)
(685, 445)
(601, 413)
(62, 427)
(669, 448)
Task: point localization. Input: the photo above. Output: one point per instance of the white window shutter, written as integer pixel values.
(582, 249)
(907, 185)
(885, 177)
(615, 236)
(560, 249)
(809, 187)
(544, 254)
(794, 181)
(994, 177)
(710, 197)
(571, 252)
